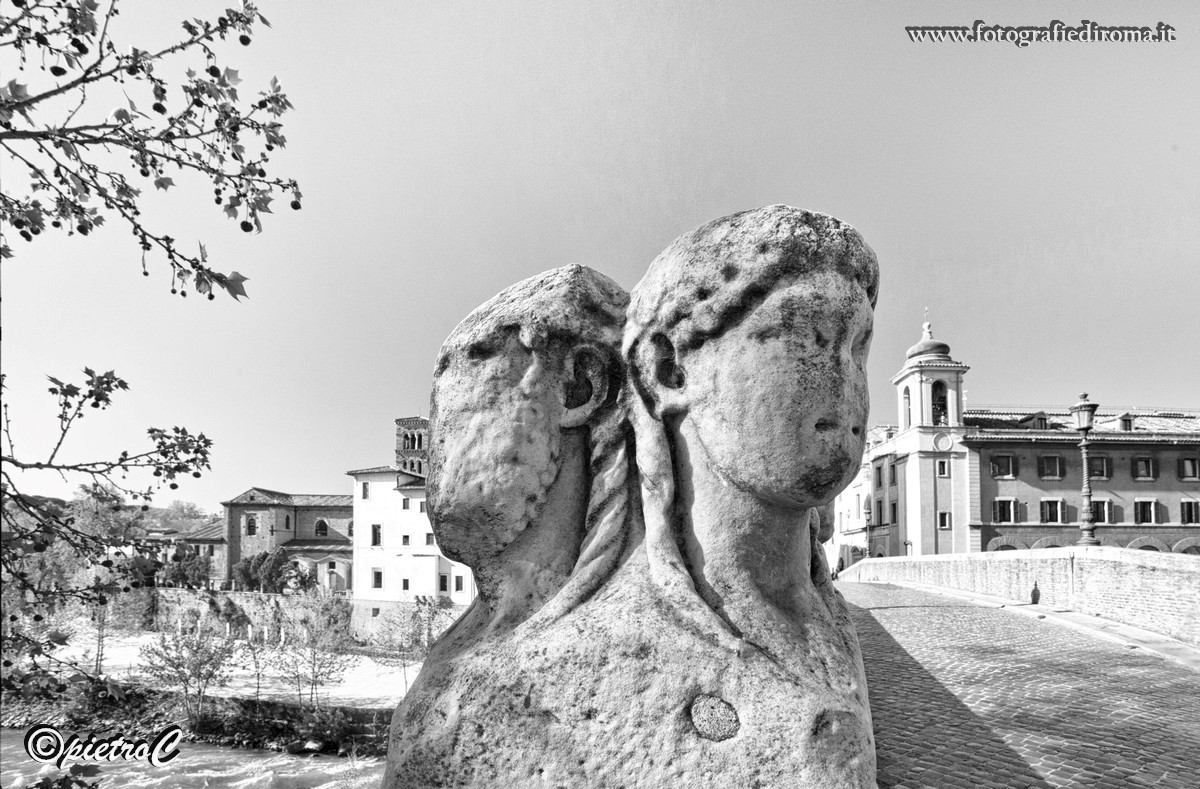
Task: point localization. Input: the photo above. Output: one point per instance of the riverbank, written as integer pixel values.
(232, 722)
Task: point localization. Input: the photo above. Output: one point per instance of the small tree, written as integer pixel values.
(313, 659)
(255, 657)
(192, 663)
(395, 635)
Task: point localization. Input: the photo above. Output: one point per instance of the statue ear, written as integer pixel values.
(586, 377)
(660, 376)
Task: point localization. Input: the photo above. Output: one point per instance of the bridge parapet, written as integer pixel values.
(1152, 590)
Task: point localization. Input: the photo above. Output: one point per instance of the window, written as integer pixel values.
(404, 584)
(322, 528)
(878, 477)
(1127, 423)
(907, 409)
(1051, 467)
(1189, 468)
(251, 526)
(421, 506)
(458, 583)
(1144, 511)
(287, 522)
(1052, 511)
(376, 534)
(1040, 423)
(1004, 466)
(374, 612)
(1004, 511)
(1189, 511)
(879, 512)
(429, 538)
(350, 529)
(443, 583)
(939, 409)
(892, 512)
(891, 473)
(404, 540)
(943, 468)
(1099, 467)
(376, 578)
(404, 503)
(1145, 468)
(332, 566)
(945, 521)
(366, 490)
(1102, 511)
(209, 550)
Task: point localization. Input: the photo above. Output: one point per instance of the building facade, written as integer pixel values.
(396, 557)
(314, 530)
(948, 479)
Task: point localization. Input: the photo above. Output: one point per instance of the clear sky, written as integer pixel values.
(1042, 202)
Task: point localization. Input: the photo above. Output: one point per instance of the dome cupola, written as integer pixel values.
(928, 346)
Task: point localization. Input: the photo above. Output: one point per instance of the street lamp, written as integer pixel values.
(1084, 413)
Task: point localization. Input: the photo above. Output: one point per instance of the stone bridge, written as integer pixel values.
(973, 684)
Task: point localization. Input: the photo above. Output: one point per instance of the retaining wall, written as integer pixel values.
(1153, 590)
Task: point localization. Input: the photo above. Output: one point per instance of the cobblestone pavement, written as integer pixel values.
(964, 695)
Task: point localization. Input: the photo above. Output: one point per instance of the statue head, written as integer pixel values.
(530, 372)
(756, 327)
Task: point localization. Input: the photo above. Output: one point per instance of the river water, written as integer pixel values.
(200, 765)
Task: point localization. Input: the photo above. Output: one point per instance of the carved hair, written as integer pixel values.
(703, 284)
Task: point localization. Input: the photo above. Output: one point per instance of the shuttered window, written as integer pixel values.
(1145, 468)
(1051, 466)
(1052, 510)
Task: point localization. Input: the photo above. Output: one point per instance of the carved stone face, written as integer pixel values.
(495, 453)
(780, 400)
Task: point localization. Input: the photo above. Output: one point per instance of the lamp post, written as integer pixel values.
(1084, 413)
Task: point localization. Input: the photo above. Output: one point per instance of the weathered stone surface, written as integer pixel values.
(641, 513)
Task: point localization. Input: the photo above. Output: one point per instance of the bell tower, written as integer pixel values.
(929, 386)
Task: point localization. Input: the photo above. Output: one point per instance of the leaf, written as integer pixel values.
(233, 284)
(17, 91)
(121, 115)
(231, 76)
(163, 183)
(203, 253)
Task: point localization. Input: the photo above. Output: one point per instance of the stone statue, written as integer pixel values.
(662, 616)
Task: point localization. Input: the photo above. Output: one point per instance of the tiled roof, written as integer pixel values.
(214, 530)
(321, 545)
(265, 496)
(319, 500)
(1147, 422)
(374, 470)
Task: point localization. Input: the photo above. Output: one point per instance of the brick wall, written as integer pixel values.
(1153, 590)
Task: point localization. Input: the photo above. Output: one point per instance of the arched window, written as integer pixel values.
(251, 526)
(322, 528)
(350, 529)
(287, 522)
(907, 408)
(940, 410)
